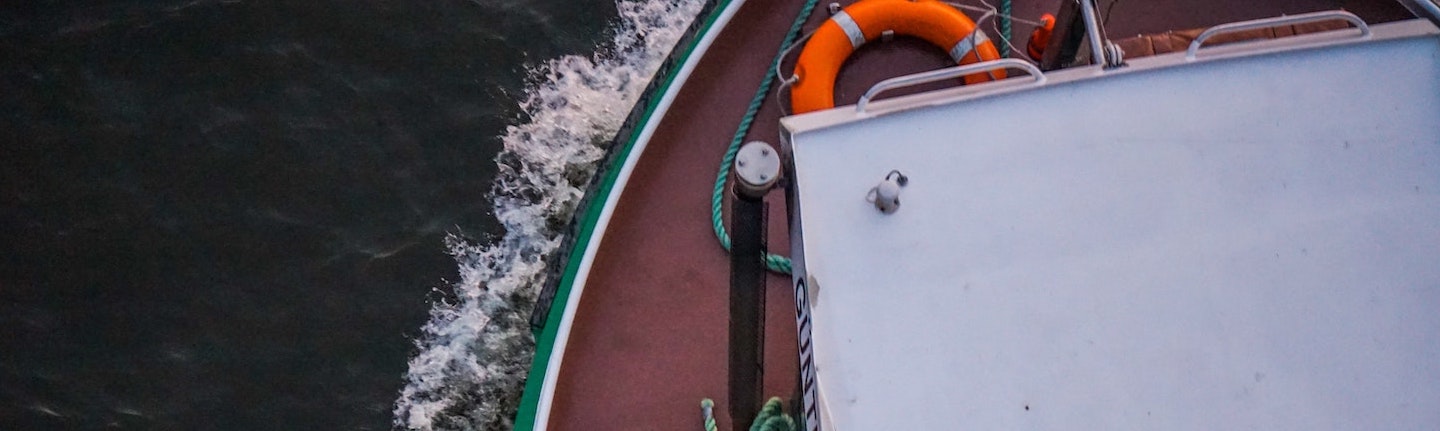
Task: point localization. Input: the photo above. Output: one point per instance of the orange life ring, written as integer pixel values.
(936, 22)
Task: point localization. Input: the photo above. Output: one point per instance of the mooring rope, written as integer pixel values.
(774, 262)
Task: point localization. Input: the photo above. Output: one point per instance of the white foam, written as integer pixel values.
(474, 354)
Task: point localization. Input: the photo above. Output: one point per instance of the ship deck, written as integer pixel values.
(648, 339)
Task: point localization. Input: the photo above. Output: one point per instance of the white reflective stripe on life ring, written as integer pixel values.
(852, 30)
(964, 46)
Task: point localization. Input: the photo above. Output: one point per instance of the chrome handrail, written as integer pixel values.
(1276, 21)
(947, 73)
(1428, 6)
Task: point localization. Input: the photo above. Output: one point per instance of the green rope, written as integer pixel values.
(1005, 28)
(707, 407)
(775, 262)
(773, 418)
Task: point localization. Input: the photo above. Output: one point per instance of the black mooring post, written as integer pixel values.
(756, 168)
(747, 293)
(1066, 38)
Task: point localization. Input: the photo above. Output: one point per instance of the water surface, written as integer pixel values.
(230, 214)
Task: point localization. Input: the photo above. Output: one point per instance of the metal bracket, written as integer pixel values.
(1098, 42)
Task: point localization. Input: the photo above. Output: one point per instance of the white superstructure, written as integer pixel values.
(1246, 240)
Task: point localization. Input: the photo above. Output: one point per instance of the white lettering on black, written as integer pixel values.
(807, 354)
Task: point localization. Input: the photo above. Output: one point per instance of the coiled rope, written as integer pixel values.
(774, 262)
(772, 416)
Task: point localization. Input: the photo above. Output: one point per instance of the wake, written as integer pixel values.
(474, 354)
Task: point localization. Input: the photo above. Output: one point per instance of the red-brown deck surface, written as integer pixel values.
(649, 338)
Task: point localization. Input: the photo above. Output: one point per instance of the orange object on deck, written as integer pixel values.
(1040, 38)
(866, 20)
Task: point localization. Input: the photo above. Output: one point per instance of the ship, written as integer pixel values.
(897, 214)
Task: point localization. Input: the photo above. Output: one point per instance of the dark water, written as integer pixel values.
(229, 214)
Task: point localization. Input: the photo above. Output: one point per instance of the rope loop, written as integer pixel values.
(774, 262)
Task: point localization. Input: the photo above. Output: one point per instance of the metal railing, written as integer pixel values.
(948, 73)
(1276, 22)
